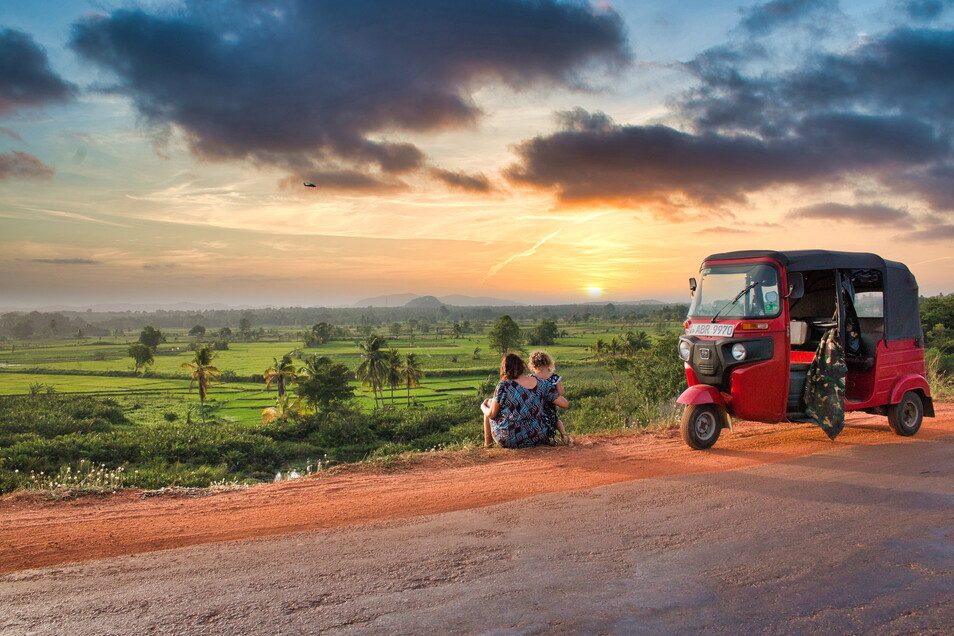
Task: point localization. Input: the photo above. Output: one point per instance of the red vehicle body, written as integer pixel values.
(755, 322)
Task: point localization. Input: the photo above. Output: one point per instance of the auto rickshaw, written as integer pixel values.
(755, 325)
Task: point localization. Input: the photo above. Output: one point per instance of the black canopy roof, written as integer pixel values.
(902, 320)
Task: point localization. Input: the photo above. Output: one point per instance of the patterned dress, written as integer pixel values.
(550, 415)
(521, 421)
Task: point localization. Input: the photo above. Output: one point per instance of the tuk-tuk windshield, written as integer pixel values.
(737, 291)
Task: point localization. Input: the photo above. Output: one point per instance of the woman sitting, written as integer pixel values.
(515, 417)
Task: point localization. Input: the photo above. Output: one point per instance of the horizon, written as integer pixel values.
(542, 153)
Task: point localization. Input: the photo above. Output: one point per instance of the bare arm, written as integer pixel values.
(562, 402)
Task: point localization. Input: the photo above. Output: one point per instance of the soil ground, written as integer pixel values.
(37, 533)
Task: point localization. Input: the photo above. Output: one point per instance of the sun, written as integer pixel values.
(594, 292)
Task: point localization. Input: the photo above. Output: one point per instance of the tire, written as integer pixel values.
(701, 425)
(905, 417)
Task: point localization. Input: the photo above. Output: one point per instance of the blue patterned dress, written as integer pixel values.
(521, 421)
(550, 415)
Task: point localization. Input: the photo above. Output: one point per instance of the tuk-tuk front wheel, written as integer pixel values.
(905, 417)
(701, 425)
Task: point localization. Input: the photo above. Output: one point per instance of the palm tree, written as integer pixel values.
(372, 370)
(203, 374)
(411, 373)
(392, 374)
(281, 373)
(598, 348)
(284, 408)
(637, 341)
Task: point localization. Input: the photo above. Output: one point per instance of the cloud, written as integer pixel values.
(940, 232)
(22, 165)
(319, 86)
(594, 159)
(764, 18)
(865, 214)
(906, 71)
(26, 79)
(934, 183)
(722, 229)
(12, 134)
(65, 261)
(880, 110)
(477, 183)
(923, 10)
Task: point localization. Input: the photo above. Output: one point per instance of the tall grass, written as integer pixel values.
(940, 381)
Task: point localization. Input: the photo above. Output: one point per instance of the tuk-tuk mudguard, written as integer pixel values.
(913, 383)
(702, 394)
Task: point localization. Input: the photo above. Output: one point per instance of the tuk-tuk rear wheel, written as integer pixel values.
(905, 417)
(701, 425)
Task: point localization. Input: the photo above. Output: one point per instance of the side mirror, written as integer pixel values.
(692, 285)
(796, 285)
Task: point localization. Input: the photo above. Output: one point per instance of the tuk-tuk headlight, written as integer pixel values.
(738, 351)
(684, 349)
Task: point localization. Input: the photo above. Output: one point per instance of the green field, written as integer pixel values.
(80, 400)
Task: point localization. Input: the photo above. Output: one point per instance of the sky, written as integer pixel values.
(536, 151)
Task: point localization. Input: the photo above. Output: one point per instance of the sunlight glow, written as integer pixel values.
(594, 292)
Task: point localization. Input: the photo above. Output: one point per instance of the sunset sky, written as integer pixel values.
(543, 151)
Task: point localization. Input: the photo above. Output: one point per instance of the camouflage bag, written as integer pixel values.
(825, 386)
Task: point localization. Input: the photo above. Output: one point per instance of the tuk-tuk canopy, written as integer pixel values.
(902, 320)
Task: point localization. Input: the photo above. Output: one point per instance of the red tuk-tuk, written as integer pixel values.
(757, 318)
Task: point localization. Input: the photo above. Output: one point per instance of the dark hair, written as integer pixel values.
(512, 367)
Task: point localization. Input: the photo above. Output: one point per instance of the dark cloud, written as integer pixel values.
(477, 183)
(313, 84)
(593, 159)
(940, 232)
(25, 76)
(883, 111)
(65, 261)
(934, 183)
(924, 10)
(22, 165)
(908, 71)
(865, 214)
(764, 18)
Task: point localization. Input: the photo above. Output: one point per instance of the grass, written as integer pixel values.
(153, 431)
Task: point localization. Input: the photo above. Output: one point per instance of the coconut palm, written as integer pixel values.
(599, 349)
(281, 374)
(373, 370)
(285, 407)
(392, 374)
(202, 373)
(411, 373)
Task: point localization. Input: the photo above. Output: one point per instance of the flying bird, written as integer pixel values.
(310, 185)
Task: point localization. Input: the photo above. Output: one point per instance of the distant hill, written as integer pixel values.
(424, 301)
(456, 300)
(477, 301)
(390, 300)
(648, 301)
(146, 307)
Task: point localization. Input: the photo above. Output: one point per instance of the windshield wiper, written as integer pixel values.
(736, 299)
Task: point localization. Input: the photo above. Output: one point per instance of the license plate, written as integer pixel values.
(711, 329)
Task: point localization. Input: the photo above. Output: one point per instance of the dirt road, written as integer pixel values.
(37, 534)
(784, 533)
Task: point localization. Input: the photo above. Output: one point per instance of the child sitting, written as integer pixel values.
(542, 365)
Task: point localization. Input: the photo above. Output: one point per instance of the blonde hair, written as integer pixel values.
(542, 360)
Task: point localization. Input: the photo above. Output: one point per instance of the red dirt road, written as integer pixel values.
(39, 533)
